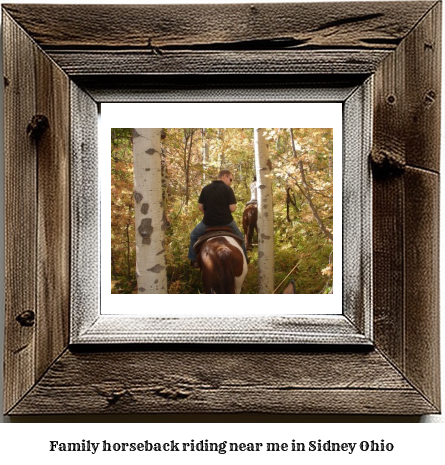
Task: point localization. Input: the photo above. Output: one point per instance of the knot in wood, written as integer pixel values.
(26, 318)
(113, 394)
(430, 97)
(37, 126)
(113, 397)
(173, 393)
(387, 163)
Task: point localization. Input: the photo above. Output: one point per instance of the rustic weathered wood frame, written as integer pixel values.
(90, 323)
(78, 56)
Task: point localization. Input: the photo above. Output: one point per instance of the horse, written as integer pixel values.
(222, 262)
(250, 218)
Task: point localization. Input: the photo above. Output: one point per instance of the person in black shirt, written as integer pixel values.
(217, 201)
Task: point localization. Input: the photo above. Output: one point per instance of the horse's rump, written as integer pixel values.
(215, 231)
(222, 265)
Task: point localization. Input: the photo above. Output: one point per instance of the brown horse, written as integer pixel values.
(223, 265)
(250, 218)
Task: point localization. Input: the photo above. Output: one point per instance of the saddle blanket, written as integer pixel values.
(216, 232)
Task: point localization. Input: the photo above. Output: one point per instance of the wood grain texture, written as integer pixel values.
(37, 216)
(388, 268)
(357, 209)
(423, 92)
(161, 27)
(219, 87)
(422, 364)
(53, 230)
(406, 206)
(130, 63)
(407, 114)
(85, 211)
(229, 39)
(20, 213)
(388, 201)
(112, 329)
(223, 382)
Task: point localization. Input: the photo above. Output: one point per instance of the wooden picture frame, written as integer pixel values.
(92, 323)
(56, 72)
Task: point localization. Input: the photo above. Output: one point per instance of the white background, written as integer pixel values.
(222, 115)
(414, 443)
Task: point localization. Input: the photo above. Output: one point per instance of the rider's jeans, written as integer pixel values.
(201, 228)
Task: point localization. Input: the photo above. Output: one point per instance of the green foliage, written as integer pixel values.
(302, 191)
(181, 277)
(123, 248)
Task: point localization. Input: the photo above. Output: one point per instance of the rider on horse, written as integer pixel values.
(217, 201)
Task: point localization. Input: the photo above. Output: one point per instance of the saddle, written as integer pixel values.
(216, 232)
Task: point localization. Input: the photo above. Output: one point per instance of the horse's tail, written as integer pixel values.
(225, 270)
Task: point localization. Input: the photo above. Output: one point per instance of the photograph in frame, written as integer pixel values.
(208, 179)
(239, 147)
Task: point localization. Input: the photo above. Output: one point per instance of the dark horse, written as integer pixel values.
(222, 262)
(250, 218)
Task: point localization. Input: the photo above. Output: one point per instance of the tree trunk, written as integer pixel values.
(188, 143)
(221, 154)
(265, 215)
(165, 190)
(149, 213)
(205, 153)
(128, 246)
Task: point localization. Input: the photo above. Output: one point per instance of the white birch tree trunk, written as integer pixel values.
(151, 270)
(265, 214)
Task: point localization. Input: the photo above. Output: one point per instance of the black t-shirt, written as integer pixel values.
(216, 198)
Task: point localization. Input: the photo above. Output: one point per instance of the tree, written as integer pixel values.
(265, 214)
(187, 159)
(149, 213)
(302, 162)
(306, 190)
(122, 211)
(205, 153)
